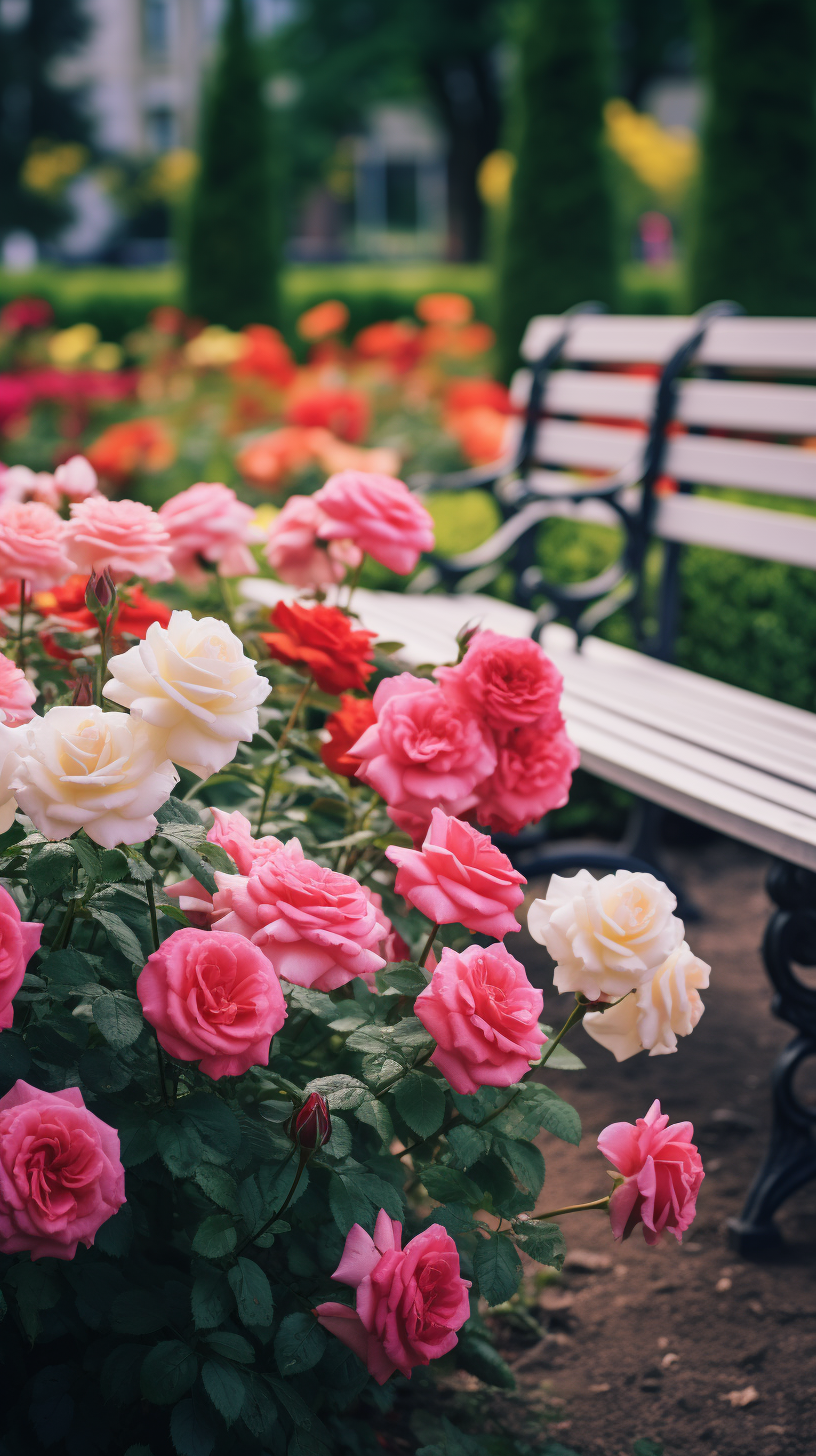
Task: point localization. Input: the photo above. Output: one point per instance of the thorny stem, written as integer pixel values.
(293, 716)
(577, 1014)
(386, 1086)
(599, 1203)
(250, 1238)
(428, 946)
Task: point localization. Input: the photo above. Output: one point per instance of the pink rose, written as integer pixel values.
(212, 998)
(379, 514)
(125, 536)
(234, 833)
(209, 521)
(533, 776)
(483, 1014)
(508, 681)
(33, 545)
(662, 1172)
(459, 877)
(16, 694)
(424, 751)
(292, 550)
(194, 900)
(60, 1173)
(410, 1302)
(76, 479)
(19, 939)
(318, 928)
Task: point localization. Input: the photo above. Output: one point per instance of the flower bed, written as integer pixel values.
(271, 1116)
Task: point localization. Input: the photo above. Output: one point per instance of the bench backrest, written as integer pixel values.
(743, 416)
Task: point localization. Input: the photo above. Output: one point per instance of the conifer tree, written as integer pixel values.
(756, 238)
(233, 249)
(559, 243)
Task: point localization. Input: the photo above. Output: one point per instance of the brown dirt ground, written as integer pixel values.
(600, 1372)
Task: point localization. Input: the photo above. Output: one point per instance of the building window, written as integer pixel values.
(156, 28)
(160, 125)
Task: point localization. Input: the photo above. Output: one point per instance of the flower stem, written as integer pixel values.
(154, 924)
(20, 654)
(428, 946)
(65, 928)
(577, 1014)
(267, 791)
(293, 716)
(353, 583)
(600, 1203)
(250, 1238)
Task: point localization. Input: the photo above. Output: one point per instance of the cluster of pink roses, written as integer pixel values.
(486, 739)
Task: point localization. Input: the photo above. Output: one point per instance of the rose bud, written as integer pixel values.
(83, 693)
(310, 1127)
(100, 594)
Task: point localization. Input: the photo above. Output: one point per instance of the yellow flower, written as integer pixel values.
(214, 348)
(47, 167)
(70, 345)
(106, 357)
(494, 178)
(664, 159)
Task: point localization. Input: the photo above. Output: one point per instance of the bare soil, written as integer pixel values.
(686, 1345)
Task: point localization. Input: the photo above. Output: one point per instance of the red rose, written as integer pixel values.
(345, 726)
(323, 641)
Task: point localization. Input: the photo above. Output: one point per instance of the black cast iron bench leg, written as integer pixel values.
(790, 1161)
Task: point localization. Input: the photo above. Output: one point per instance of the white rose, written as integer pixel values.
(106, 773)
(664, 1008)
(192, 681)
(605, 936)
(11, 740)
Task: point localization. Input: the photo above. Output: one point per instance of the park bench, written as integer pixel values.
(719, 402)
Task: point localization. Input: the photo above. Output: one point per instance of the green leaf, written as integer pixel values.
(524, 1161)
(225, 1388)
(342, 1093)
(168, 1371)
(119, 1018)
(543, 1242)
(87, 855)
(120, 935)
(69, 968)
(114, 865)
(218, 1186)
(212, 1299)
(253, 1295)
(299, 1343)
(645, 1447)
(230, 1346)
(101, 1071)
(448, 1185)
(376, 1115)
(179, 1147)
(216, 1236)
(564, 1060)
(479, 1358)
(174, 912)
(215, 1124)
(406, 977)
(455, 1217)
(259, 1411)
(190, 1431)
(251, 1204)
(497, 1269)
(536, 1107)
(14, 1057)
(115, 1236)
(410, 1035)
(138, 1312)
(467, 1144)
(34, 1290)
(50, 866)
(119, 1377)
(421, 1103)
(349, 1202)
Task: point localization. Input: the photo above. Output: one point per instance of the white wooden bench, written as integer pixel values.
(728, 758)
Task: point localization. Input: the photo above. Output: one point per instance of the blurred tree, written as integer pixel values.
(345, 55)
(757, 212)
(559, 242)
(232, 245)
(34, 109)
(652, 40)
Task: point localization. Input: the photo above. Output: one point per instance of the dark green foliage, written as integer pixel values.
(233, 240)
(757, 222)
(558, 249)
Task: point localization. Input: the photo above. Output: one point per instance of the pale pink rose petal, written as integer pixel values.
(209, 521)
(124, 536)
(16, 694)
(459, 877)
(379, 514)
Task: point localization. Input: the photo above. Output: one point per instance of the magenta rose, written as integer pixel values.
(316, 927)
(60, 1172)
(234, 833)
(19, 939)
(533, 775)
(211, 997)
(425, 751)
(459, 877)
(662, 1172)
(410, 1302)
(483, 1014)
(379, 514)
(508, 681)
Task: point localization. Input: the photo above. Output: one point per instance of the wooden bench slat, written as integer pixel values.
(748, 530)
(764, 344)
(742, 464)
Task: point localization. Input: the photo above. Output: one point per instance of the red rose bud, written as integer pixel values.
(83, 693)
(100, 594)
(310, 1127)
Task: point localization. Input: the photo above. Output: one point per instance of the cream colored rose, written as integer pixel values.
(11, 740)
(662, 1009)
(80, 768)
(192, 681)
(606, 936)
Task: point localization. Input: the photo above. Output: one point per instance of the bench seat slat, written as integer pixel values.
(748, 530)
(747, 343)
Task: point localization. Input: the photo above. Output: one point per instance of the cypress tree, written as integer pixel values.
(233, 251)
(756, 239)
(559, 242)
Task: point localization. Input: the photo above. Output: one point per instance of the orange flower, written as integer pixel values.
(343, 411)
(268, 460)
(467, 394)
(480, 432)
(167, 320)
(444, 308)
(462, 343)
(321, 640)
(397, 341)
(324, 319)
(345, 727)
(332, 455)
(131, 446)
(267, 356)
